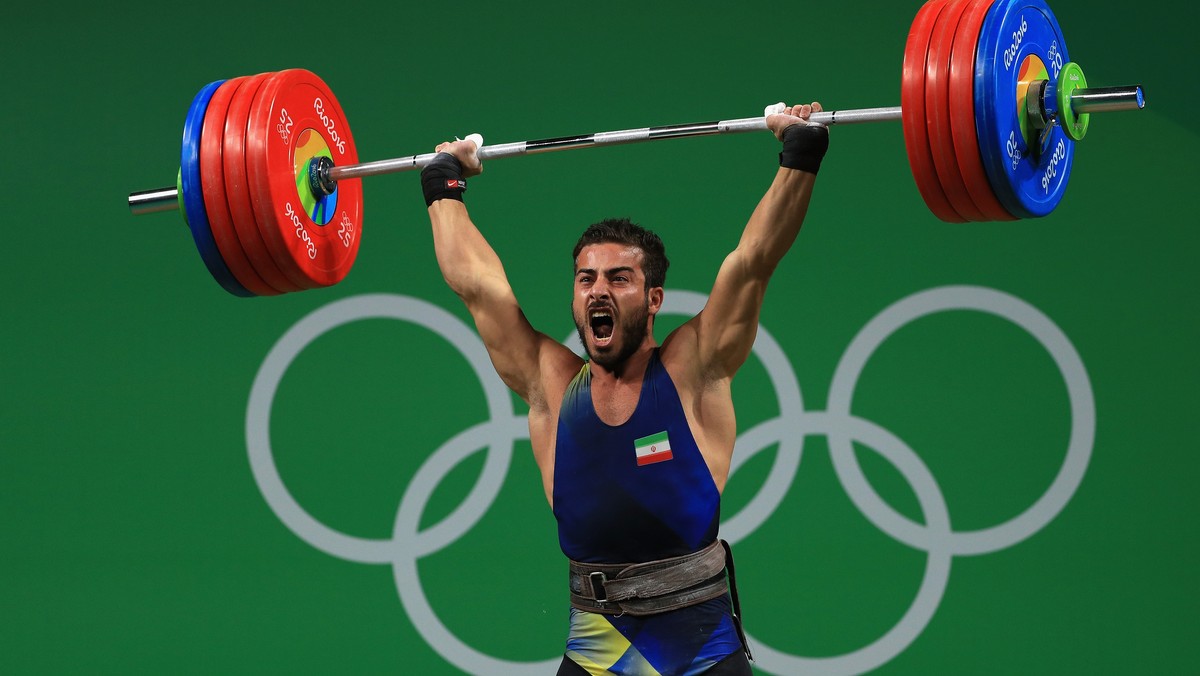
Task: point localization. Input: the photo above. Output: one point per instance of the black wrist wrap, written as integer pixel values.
(804, 146)
(442, 179)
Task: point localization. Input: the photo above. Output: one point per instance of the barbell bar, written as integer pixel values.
(166, 198)
(991, 109)
(1082, 101)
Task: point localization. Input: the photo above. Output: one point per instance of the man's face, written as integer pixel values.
(611, 305)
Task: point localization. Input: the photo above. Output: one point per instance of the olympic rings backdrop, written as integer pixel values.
(961, 449)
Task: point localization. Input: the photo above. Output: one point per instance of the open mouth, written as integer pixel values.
(601, 323)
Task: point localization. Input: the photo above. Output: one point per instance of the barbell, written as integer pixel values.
(991, 109)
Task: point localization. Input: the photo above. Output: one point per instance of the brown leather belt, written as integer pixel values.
(657, 586)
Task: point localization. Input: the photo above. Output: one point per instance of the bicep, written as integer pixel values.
(727, 326)
(524, 358)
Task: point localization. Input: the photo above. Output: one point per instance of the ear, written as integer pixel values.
(654, 298)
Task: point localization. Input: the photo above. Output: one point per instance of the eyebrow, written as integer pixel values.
(610, 271)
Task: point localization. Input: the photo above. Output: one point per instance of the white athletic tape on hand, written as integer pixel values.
(774, 109)
(477, 139)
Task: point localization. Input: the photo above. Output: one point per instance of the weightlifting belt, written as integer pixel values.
(657, 586)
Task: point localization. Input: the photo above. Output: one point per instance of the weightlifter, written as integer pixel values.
(634, 443)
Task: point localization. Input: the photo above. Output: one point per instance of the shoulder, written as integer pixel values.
(680, 356)
(691, 364)
(557, 367)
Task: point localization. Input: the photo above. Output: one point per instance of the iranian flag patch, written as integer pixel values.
(652, 449)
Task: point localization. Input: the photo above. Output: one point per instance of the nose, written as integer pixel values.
(599, 289)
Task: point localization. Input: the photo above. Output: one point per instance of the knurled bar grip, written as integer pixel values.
(609, 138)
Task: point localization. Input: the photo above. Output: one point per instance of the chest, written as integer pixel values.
(630, 483)
(615, 403)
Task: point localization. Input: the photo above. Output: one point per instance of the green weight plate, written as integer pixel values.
(1070, 79)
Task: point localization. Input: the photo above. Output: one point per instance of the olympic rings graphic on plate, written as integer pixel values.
(788, 430)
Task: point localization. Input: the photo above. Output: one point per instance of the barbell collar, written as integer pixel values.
(1036, 103)
(319, 180)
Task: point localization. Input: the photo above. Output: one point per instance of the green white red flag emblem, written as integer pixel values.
(652, 449)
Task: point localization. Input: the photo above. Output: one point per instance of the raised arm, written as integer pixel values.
(474, 272)
(722, 335)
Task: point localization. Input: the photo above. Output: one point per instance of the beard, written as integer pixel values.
(628, 334)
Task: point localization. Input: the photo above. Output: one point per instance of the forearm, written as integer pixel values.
(725, 329)
(776, 220)
(473, 271)
(468, 263)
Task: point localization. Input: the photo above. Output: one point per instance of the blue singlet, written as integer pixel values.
(630, 493)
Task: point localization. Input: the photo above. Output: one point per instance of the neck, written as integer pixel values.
(630, 370)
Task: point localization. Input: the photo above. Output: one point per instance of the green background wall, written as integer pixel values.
(134, 537)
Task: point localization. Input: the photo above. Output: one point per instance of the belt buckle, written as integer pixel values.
(597, 580)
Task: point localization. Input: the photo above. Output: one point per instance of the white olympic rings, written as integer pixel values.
(498, 434)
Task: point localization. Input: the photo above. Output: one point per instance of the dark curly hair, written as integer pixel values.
(623, 231)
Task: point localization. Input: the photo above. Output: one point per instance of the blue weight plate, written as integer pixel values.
(1020, 42)
(193, 195)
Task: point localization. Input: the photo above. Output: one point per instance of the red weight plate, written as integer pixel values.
(962, 112)
(212, 180)
(937, 105)
(912, 113)
(294, 119)
(237, 186)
